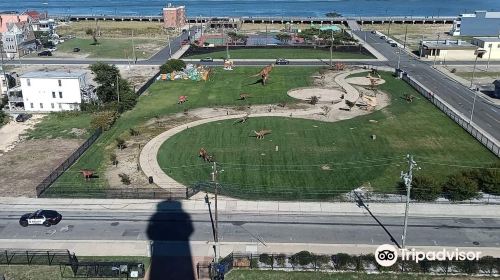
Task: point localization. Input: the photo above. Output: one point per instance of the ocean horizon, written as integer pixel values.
(255, 8)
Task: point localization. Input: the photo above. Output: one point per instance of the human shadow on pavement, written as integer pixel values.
(169, 230)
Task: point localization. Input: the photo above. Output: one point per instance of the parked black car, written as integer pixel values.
(45, 53)
(40, 217)
(282, 61)
(76, 49)
(23, 117)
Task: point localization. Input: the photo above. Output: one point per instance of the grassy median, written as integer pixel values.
(287, 53)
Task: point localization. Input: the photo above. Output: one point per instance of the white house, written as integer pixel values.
(490, 44)
(52, 91)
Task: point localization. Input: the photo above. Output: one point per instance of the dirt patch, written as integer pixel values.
(10, 133)
(29, 162)
(324, 94)
(364, 81)
(128, 158)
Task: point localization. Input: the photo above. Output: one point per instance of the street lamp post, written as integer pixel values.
(477, 53)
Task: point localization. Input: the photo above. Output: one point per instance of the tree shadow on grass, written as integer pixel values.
(169, 232)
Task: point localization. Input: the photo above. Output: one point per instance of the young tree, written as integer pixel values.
(489, 180)
(93, 33)
(112, 89)
(172, 65)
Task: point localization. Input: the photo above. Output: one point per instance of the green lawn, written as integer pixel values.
(62, 125)
(253, 169)
(296, 275)
(287, 53)
(223, 89)
(109, 48)
(45, 272)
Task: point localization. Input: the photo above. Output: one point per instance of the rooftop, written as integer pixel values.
(448, 44)
(488, 39)
(53, 74)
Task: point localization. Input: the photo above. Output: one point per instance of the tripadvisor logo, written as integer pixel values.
(387, 255)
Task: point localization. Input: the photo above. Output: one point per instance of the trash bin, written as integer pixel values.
(150, 179)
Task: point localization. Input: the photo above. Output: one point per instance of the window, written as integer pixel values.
(60, 106)
(60, 94)
(41, 105)
(28, 82)
(52, 105)
(59, 82)
(53, 94)
(31, 104)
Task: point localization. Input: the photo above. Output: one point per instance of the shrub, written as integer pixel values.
(459, 187)
(133, 132)
(112, 158)
(120, 143)
(342, 261)
(454, 70)
(314, 100)
(322, 259)
(302, 258)
(489, 180)
(488, 264)
(104, 120)
(425, 189)
(280, 259)
(172, 65)
(466, 266)
(124, 178)
(266, 259)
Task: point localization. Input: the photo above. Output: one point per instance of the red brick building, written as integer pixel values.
(174, 17)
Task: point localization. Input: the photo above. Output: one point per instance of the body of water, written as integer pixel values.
(307, 8)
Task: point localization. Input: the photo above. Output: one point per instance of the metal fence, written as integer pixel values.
(115, 270)
(122, 193)
(145, 86)
(306, 261)
(35, 257)
(45, 184)
(487, 140)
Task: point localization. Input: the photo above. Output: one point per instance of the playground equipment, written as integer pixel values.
(205, 156)
(191, 72)
(182, 99)
(244, 96)
(264, 73)
(228, 64)
(87, 174)
(242, 119)
(339, 66)
(261, 133)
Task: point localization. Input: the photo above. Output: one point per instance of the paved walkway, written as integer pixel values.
(231, 205)
(148, 157)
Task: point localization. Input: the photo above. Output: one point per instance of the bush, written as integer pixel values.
(459, 187)
(488, 265)
(342, 261)
(120, 143)
(314, 100)
(489, 180)
(280, 260)
(113, 159)
(133, 132)
(266, 259)
(425, 189)
(104, 120)
(172, 65)
(302, 258)
(124, 178)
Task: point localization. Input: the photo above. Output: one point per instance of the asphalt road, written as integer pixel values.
(272, 228)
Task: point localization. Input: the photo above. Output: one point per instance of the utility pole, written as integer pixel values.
(216, 191)
(331, 52)
(489, 57)
(133, 48)
(207, 201)
(118, 87)
(406, 33)
(422, 47)
(169, 47)
(399, 57)
(407, 178)
(435, 52)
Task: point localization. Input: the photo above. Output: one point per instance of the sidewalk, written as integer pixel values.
(229, 205)
(205, 249)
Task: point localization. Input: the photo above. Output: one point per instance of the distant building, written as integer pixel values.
(49, 91)
(4, 84)
(17, 35)
(480, 23)
(174, 17)
(490, 44)
(448, 50)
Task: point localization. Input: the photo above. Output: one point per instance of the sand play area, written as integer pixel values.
(364, 81)
(324, 94)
